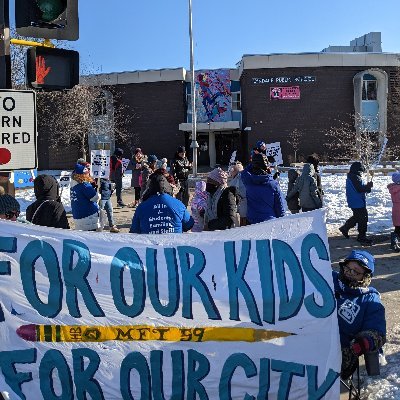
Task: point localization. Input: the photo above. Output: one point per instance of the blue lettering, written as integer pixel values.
(313, 241)
(15, 379)
(264, 379)
(195, 375)
(128, 258)
(288, 369)
(7, 245)
(75, 278)
(136, 361)
(169, 309)
(53, 359)
(236, 281)
(191, 280)
(266, 277)
(284, 254)
(233, 361)
(84, 377)
(32, 252)
(315, 392)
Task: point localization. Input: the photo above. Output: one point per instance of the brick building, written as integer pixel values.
(265, 98)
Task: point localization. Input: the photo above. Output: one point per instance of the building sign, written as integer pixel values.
(284, 79)
(284, 93)
(17, 130)
(215, 315)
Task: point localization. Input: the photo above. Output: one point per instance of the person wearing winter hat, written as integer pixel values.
(84, 197)
(264, 196)
(149, 166)
(9, 206)
(361, 314)
(394, 190)
(235, 180)
(48, 209)
(198, 206)
(356, 191)
(136, 165)
(221, 203)
(116, 174)
(181, 168)
(314, 160)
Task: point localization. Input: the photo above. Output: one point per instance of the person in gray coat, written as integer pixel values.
(306, 187)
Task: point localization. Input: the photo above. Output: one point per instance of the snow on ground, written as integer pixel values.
(379, 204)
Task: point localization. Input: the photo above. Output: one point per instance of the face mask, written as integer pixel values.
(210, 188)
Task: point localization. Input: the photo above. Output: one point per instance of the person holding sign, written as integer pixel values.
(361, 315)
(116, 174)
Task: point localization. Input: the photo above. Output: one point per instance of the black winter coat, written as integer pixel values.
(181, 168)
(51, 211)
(226, 211)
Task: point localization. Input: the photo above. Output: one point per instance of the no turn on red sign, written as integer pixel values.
(18, 144)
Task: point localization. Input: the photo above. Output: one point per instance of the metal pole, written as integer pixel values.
(5, 59)
(194, 144)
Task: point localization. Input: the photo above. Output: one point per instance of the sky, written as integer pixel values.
(129, 35)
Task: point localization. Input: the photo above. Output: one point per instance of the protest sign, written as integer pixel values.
(125, 163)
(274, 150)
(244, 313)
(24, 179)
(100, 163)
(65, 180)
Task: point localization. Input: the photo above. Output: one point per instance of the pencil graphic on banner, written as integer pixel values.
(80, 333)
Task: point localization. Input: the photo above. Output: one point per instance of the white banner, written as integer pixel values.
(100, 163)
(244, 313)
(274, 150)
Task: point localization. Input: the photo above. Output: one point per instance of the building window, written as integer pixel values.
(100, 105)
(369, 87)
(236, 101)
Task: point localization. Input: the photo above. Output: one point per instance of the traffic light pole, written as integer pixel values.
(5, 60)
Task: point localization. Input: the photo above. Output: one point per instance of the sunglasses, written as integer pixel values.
(12, 214)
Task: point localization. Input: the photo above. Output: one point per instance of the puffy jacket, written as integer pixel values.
(294, 202)
(264, 197)
(358, 309)
(106, 189)
(306, 187)
(394, 190)
(181, 168)
(161, 213)
(47, 210)
(226, 211)
(85, 209)
(355, 187)
(237, 183)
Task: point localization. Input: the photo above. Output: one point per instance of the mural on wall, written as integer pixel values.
(213, 96)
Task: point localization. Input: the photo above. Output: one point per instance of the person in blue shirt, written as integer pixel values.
(361, 315)
(356, 191)
(160, 212)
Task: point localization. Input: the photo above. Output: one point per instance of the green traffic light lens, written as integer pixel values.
(51, 9)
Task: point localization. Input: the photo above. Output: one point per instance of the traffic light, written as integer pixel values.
(47, 19)
(52, 69)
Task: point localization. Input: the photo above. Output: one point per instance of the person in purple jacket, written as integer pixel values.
(264, 196)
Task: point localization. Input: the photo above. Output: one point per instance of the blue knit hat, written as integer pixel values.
(81, 169)
(151, 158)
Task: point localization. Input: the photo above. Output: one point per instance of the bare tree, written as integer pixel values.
(295, 138)
(358, 140)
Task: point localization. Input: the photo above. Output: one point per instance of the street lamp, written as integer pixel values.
(194, 145)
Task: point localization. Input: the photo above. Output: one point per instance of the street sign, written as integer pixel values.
(18, 144)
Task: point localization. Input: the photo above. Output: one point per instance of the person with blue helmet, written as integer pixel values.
(361, 314)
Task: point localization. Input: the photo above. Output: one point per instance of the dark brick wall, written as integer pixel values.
(157, 108)
(322, 104)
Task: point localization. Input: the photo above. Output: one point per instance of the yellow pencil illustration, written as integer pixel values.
(81, 333)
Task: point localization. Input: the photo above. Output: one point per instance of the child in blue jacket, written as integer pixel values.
(361, 315)
(106, 190)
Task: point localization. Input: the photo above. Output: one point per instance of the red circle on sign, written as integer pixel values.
(5, 156)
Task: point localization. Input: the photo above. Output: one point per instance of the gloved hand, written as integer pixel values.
(370, 184)
(361, 345)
